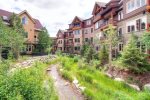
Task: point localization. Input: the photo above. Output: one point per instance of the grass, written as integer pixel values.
(98, 86)
(26, 84)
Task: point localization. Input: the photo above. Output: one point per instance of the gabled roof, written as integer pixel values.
(5, 13)
(38, 25)
(76, 17)
(27, 14)
(99, 4)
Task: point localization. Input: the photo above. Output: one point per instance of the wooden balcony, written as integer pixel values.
(106, 24)
(69, 44)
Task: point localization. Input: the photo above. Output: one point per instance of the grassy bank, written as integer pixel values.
(26, 84)
(98, 86)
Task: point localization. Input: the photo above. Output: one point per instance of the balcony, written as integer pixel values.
(69, 43)
(107, 23)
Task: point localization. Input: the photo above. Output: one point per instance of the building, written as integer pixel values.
(31, 26)
(127, 16)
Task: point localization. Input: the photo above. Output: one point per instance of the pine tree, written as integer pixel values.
(103, 55)
(133, 58)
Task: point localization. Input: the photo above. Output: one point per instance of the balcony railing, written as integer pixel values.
(105, 24)
(69, 43)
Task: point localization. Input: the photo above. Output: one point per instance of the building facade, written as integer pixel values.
(31, 26)
(127, 16)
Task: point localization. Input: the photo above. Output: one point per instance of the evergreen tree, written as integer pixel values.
(84, 50)
(90, 54)
(132, 58)
(103, 55)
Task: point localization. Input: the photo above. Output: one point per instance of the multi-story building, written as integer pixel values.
(31, 26)
(127, 16)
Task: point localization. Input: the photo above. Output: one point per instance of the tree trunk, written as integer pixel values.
(0, 53)
(110, 54)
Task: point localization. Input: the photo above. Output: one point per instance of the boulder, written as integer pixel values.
(108, 75)
(82, 88)
(147, 87)
(119, 79)
(134, 87)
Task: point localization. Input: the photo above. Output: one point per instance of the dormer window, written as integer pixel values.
(24, 20)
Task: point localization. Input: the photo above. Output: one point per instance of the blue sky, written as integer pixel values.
(54, 14)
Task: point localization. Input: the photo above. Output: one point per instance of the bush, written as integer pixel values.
(26, 84)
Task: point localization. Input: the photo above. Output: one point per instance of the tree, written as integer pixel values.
(90, 54)
(16, 35)
(132, 58)
(111, 40)
(84, 50)
(103, 55)
(4, 36)
(146, 39)
(44, 40)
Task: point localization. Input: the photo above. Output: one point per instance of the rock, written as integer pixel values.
(108, 75)
(49, 69)
(67, 83)
(147, 87)
(75, 81)
(82, 88)
(134, 87)
(119, 79)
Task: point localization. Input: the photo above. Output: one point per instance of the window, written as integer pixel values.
(120, 47)
(86, 31)
(86, 39)
(132, 28)
(77, 48)
(141, 46)
(77, 24)
(24, 20)
(120, 15)
(88, 22)
(91, 30)
(25, 34)
(129, 29)
(138, 24)
(77, 39)
(77, 32)
(143, 25)
(120, 32)
(96, 25)
(91, 39)
(135, 4)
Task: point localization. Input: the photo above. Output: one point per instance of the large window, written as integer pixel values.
(24, 20)
(77, 32)
(135, 4)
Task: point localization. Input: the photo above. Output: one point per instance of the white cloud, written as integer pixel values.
(54, 14)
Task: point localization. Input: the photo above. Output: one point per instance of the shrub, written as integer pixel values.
(27, 84)
(103, 55)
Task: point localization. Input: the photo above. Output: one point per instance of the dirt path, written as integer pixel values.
(65, 90)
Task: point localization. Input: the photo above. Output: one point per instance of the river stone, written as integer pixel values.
(147, 87)
(108, 75)
(119, 79)
(134, 87)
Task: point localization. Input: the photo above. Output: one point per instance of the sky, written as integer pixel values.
(53, 14)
